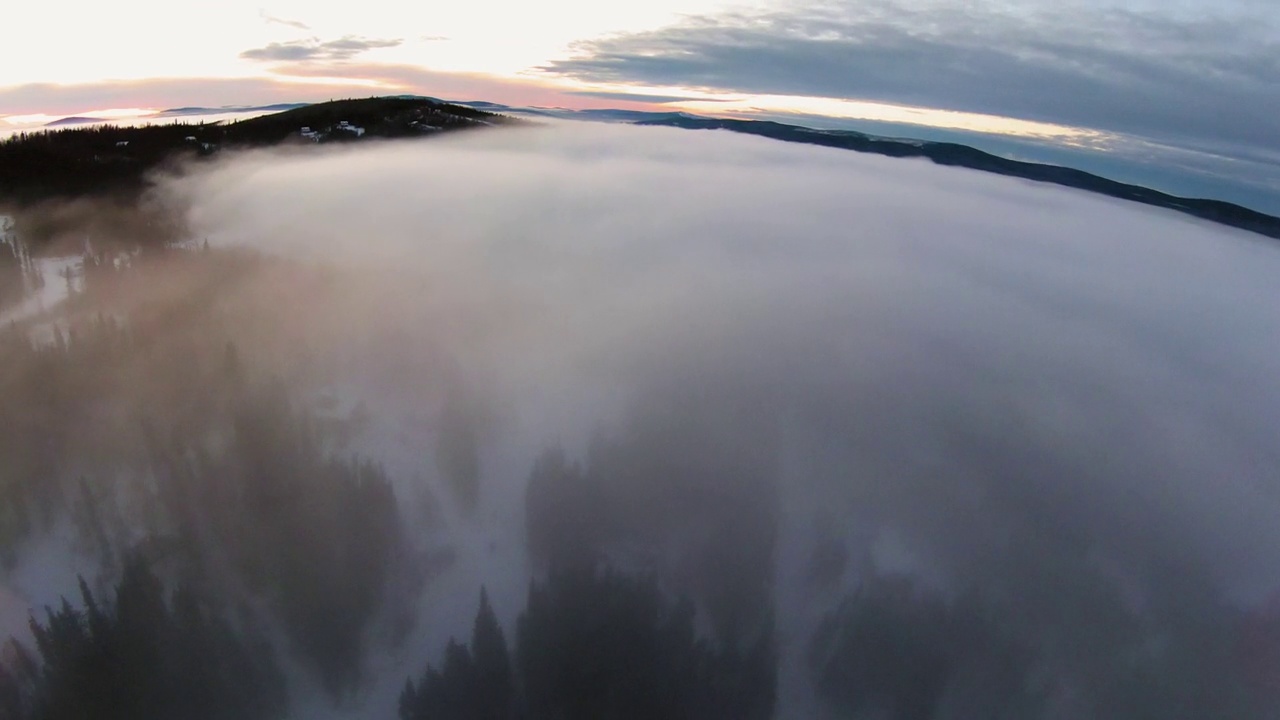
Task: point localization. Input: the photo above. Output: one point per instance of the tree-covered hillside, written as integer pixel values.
(111, 160)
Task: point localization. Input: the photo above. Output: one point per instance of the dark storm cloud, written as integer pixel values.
(1210, 79)
(314, 49)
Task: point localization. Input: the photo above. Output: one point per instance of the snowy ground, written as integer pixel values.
(53, 289)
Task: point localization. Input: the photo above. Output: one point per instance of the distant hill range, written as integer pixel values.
(942, 153)
(73, 161)
(76, 120)
(182, 112)
(227, 109)
(957, 155)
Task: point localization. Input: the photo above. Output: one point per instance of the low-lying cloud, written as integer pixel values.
(962, 358)
(794, 369)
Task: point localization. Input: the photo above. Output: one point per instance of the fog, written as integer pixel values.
(773, 377)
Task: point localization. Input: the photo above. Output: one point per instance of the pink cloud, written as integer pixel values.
(455, 86)
(295, 82)
(53, 99)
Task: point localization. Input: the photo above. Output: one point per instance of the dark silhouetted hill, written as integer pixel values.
(182, 111)
(75, 120)
(957, 155)
(111, 160)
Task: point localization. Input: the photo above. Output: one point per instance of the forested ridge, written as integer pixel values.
(115, 160)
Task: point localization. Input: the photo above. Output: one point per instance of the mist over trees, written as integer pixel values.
(246, 484)
(244, 535)
(18, 277)
(595, 643)
(689, 490)
(141, 654)
(217, 474)
(199, 464)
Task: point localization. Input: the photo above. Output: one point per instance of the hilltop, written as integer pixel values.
(112, 160)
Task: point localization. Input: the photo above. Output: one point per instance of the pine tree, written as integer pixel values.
(138, 658)
(458, 449)
(495, 683)
(409, 701)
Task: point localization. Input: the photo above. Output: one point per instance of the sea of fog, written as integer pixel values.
(967, 379)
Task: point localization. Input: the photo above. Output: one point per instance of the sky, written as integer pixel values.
(1190, 87)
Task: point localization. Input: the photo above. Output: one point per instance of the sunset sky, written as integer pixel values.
(1188, 85)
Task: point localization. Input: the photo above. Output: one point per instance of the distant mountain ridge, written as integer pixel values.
(74, 120)
(942, 153)
(186, 111)
(597, 114)
(957, 155)
(182, 112)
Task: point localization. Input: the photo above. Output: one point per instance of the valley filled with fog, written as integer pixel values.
(603, 421)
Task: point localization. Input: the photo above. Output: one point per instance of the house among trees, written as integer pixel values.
(347, 127)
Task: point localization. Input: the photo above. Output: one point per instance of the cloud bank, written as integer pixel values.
(1004, 377)
(1157, 73)
(790, 371)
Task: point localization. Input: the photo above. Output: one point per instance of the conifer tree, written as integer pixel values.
(492, 665)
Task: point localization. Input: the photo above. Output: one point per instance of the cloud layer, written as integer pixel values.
(1104, 345)
(1155, 73)
(771, 355)
(973, 379)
